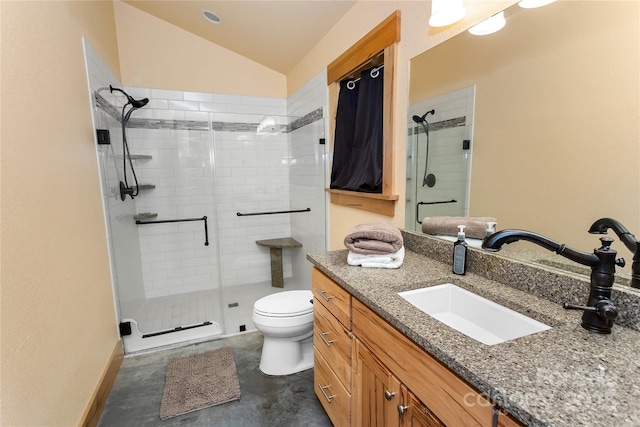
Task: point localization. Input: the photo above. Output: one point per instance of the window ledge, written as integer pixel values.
(383, 204)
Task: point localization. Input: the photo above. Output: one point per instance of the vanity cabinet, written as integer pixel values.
(332, 345)
(452, 401)
(379, 399)
(367, 373)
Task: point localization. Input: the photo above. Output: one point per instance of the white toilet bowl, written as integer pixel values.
(286, 321)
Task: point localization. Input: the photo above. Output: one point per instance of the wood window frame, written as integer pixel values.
(381, 42)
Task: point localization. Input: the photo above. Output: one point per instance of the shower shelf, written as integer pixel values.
(137, 156)
(145, 215)
(146, 186)
(275, 253)
(141, 157)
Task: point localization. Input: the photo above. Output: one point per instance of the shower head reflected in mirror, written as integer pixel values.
(429, 179)
(422, 119)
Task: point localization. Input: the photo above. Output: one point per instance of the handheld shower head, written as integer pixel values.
(135, 103)
(422, 119)
(139, 103)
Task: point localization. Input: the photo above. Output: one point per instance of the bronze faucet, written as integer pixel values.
(600, 312)
(603, 224)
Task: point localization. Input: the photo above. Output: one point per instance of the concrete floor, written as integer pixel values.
(265, 401)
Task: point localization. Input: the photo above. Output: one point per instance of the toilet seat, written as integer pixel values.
(285, 304)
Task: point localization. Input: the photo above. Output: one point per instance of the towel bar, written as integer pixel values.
(430, 203)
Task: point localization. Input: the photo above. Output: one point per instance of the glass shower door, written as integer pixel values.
(174, 218)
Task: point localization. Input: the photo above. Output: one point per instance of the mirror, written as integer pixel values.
(555, 142)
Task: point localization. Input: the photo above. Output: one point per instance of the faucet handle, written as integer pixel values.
(606, 242)
(603, 308)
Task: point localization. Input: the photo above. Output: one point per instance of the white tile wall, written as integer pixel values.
(216, 174)
(308, 163)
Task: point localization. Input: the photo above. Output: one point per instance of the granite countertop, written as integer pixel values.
(565, 376)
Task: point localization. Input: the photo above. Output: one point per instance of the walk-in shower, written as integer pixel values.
(200, 159)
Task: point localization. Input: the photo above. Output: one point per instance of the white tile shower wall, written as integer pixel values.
(251, 176)
(307, 176)
(174, 257)
(122, 235)
(216, 174)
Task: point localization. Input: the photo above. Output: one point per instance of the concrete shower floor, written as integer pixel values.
(265, 401)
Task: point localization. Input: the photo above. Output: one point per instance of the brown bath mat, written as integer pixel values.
(199, 381)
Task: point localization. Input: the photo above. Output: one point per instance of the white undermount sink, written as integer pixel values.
(474, 316)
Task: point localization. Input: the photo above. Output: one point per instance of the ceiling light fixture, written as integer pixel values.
(211, 17)
(489, 25)
(446, 12)
(530, 4)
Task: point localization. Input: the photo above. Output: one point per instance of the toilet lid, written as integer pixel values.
(285, 304)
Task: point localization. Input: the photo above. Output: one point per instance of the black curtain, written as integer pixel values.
(357, 150)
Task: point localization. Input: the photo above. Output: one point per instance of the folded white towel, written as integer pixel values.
(393, 260)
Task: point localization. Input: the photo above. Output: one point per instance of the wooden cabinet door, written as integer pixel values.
(434, 384)
(506, 420)
(376, 393)
(414, 413)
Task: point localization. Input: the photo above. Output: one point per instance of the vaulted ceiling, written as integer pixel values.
(276, 34)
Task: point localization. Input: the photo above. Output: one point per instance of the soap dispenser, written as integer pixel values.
(460, 252)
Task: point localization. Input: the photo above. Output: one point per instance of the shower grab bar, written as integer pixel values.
(430, 203)
(272, 213)
(204, 218)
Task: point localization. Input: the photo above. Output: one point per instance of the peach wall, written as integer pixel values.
(416, 37)
(156, 54)
(57, 314)
(553, 150)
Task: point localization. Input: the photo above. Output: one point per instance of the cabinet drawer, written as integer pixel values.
(333, 341)
(435, 385)
(332, 296)
(335, 399)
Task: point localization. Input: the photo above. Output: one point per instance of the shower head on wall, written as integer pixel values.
(422, 119)
(135, 103)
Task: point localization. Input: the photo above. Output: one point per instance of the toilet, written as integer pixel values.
(286, 321)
